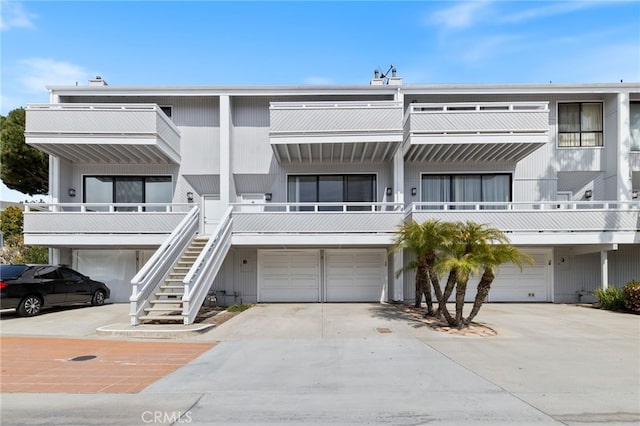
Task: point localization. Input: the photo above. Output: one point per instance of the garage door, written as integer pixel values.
(116, 268)
(355, 275)
(288, 275)
(533, 284)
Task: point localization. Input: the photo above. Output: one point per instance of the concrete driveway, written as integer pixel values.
(371, 364)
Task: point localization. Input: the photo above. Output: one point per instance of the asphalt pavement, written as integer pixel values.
(365, 364)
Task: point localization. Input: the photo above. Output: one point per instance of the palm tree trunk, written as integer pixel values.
(418, 301)
(483, 291)
(435, 282)
(423, 271)
(442, 302)
(461, 289)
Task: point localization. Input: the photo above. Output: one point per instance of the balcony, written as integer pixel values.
(541, 223)
(475, 132)
(101, 225)
(104, 133)
(295, 224)
(344, 132)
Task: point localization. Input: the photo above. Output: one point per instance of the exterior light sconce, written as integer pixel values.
(634, 194)
(414, 192)
(389, 191)
(72, 192)
(588, 194)
(268, 196)
(189, 197)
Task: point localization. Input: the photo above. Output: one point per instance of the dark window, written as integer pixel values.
(48, 273)
(580, 124)
(168, 110)
(127, 189)
(466, 188)
(332, 189)
(634, 125)
(70, 275)
(12, 271)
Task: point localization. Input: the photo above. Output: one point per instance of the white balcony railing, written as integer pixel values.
(125, 133)
(490, 131)
(547, 216)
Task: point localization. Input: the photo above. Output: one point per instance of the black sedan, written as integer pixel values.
(29, 288)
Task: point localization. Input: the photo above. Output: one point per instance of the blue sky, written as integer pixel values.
(239, 43)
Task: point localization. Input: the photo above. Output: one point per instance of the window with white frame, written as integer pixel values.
(634, 123)
(127, 189)
(356, 188)
(580, 124)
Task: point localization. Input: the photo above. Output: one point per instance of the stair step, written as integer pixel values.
(177, 302)
(161, 318)
(169, 294)
(173, 280)
(157, 309)
(172, 287)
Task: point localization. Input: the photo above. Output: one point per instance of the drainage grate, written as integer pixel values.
(83, 358)
(383, 330)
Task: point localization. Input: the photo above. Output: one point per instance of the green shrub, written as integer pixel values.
(631, 296)
(610, 299)
(239, 307)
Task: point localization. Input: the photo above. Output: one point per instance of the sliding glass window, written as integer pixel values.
(127, 189)
(332, 189)
(465, 188)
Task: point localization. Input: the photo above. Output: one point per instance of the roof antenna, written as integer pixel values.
(385, 75)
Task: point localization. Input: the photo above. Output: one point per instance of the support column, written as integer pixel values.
(624, 183)
(604, 268)
(225, 150)
(398, 284)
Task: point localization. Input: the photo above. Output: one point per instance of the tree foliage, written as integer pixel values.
(24, 168)
(14, 250)
(460, 250)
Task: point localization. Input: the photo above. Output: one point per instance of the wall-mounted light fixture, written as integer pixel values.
(389, 191)
(72, 192)
(268, 196)
(189, 197)
(634, 194)
(414, 191)
(588, 194)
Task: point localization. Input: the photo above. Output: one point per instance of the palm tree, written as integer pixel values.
(463, 258)
(423, 240)
(493, 257)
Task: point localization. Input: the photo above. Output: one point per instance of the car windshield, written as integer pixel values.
(12, 271)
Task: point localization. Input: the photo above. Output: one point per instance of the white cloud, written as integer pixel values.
(486, 48)
(550, 9)
(461, 16)
(14, 15)
(42, 72)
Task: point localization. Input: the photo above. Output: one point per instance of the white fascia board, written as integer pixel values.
(324, 240)
(125, 241)
(572, 238)
(220, 90)
(470, 139)
(324, 138)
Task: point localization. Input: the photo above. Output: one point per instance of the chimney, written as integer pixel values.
(393, 80)
(98, 81)
(376, 80)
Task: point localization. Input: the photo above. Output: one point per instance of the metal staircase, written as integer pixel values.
(166, 305)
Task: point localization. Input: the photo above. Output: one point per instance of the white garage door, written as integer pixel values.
(533, 284)
(288, 275)
(355, 275)
(116, 268)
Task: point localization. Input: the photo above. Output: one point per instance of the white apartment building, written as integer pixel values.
(294, 193)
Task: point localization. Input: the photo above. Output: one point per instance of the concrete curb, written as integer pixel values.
(153, 331)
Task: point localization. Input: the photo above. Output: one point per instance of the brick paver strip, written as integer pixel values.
(44, 365)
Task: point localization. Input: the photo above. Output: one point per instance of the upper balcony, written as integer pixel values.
(345, 132)
(475, 132)
(104, 133)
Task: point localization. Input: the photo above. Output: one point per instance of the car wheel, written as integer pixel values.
(98, 298)
(29, 306)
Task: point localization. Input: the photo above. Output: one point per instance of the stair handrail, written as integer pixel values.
(150, 275)
(204, 270)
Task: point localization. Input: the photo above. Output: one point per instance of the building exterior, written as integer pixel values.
(293, 193)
